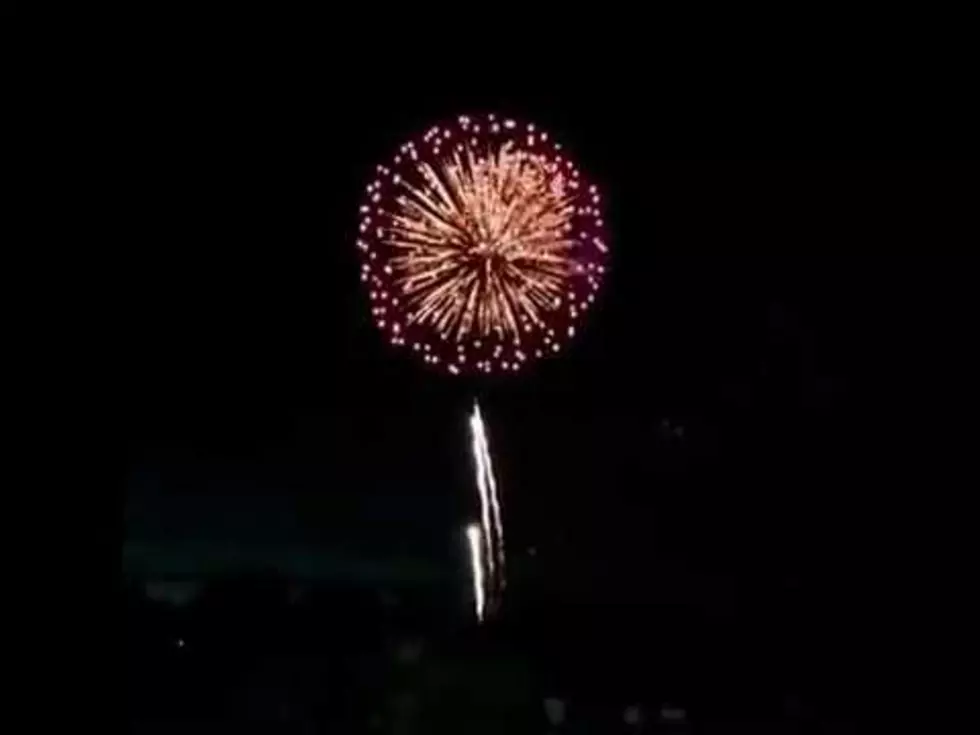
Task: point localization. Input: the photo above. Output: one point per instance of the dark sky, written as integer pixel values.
(767, 362)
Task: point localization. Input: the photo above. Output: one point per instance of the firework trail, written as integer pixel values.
(482, 245)
(479, 458)
(480, 434)
(490, 514)
(475, 539)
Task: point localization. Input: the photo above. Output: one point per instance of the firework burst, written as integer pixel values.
(481, 245)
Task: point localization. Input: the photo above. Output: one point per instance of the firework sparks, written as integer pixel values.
(474, 537)
(481, 244)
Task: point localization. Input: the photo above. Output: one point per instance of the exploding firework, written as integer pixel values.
(482, 245)
(475, 540)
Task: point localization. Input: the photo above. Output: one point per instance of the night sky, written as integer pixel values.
(768, 359)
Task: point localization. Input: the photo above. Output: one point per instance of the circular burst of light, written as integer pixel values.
(481, 245)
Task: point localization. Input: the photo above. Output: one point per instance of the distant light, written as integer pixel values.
(633, 715)
(180, 643)
(554, 710)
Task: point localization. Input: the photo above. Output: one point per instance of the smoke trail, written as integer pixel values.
(476, 564)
